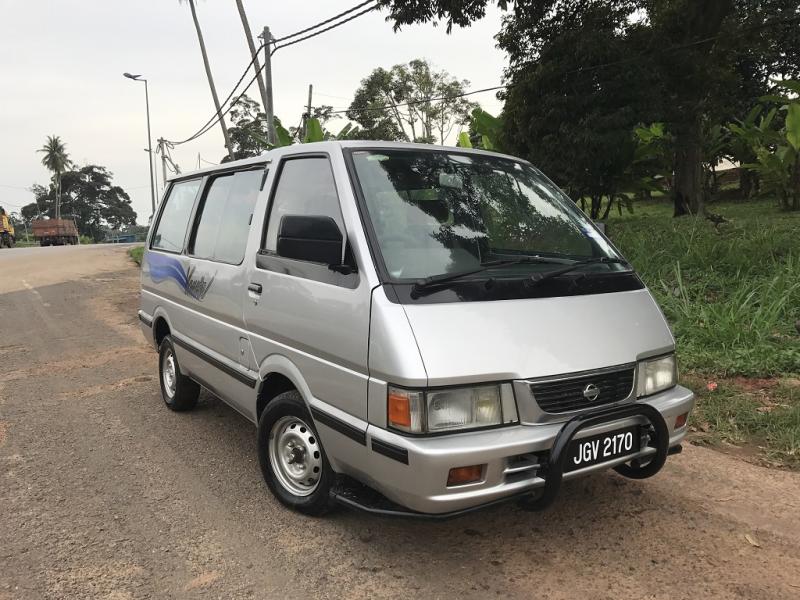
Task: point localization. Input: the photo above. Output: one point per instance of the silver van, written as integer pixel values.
(415, 330)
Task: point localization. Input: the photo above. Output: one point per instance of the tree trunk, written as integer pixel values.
(248, 34)
(747, 183)
(701, 22)
(597, 203)
(58, 195)
(608, 207)
(397, 117)
(211, 80)
(687, 192)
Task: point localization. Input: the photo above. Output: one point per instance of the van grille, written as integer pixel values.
(567, 394)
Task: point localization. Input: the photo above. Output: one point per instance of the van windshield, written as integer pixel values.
(440, 212)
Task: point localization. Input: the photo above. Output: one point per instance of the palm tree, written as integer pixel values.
(210, 78)
(56, 160)
(248, 34)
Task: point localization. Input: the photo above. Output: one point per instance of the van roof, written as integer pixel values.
(267, 156)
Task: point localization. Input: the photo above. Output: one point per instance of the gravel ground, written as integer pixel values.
(107, 494)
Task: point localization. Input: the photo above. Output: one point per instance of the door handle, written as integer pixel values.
(255, 288)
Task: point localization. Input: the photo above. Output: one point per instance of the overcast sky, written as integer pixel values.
(61, 65)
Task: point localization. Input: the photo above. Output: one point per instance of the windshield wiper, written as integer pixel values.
(538, 278)
(422, 284)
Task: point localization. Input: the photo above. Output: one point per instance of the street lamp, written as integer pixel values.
(149, 143)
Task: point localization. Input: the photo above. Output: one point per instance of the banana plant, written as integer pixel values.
(488, 130)
(776, 149)
(314, 131)
(463, 140)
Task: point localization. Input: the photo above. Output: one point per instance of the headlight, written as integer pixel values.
(448, 409)
(657, 375)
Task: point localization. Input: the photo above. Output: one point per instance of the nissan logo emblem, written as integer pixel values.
(591, 392)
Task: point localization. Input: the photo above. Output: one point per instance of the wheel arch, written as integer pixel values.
(162, 326)
(278, 374)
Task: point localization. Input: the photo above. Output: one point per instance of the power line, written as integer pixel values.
(4, 203)
(321, 31)
(217, 115)
(325, 22)
(211, 123)
(316, 93)
(209, 126)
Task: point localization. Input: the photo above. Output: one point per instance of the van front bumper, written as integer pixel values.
(413, 471)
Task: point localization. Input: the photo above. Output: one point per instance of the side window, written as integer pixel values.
(171, 229)
(224, 218)
(305, 187)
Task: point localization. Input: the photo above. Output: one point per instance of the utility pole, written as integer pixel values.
(162, 148)
(268, 106)
(307, 116)
(253, 52)
(149, 149)
(207, 66)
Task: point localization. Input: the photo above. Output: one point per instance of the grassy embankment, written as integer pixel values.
(732, 296)
(136, 254)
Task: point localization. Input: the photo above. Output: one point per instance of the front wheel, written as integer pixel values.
(292, 459)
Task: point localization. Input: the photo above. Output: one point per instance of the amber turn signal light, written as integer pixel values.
(680, 420)
(462, 475)
(399, 409)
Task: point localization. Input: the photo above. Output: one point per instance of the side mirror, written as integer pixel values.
(312, 238)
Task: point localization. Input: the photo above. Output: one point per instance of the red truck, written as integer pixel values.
(55, 232)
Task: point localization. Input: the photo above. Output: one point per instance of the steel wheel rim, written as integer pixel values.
(295, 455)
(169, 373)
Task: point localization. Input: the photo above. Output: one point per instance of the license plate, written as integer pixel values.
(596, 449)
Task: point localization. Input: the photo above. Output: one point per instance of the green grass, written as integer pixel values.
(731, 293)
(763, 416)
(732, 296)
(136, 254)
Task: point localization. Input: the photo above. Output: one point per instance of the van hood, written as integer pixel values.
(520, 339)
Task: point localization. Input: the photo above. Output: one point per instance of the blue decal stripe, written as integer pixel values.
(166, 267)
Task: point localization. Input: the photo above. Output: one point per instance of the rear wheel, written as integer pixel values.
(179, 392)
(292, 459)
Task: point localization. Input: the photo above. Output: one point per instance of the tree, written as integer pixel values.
(89, 197)
(775, 144)
(248, 134)
(248, 34)
(579, 128)
(57, 161)
(207, 66)
(410, 102)
(704, 59)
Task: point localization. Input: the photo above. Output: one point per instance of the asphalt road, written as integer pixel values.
(107, 494)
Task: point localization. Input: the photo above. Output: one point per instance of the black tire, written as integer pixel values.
(286, 410)
(178, 391)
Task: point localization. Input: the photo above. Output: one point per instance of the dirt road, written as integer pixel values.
(104, 493)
